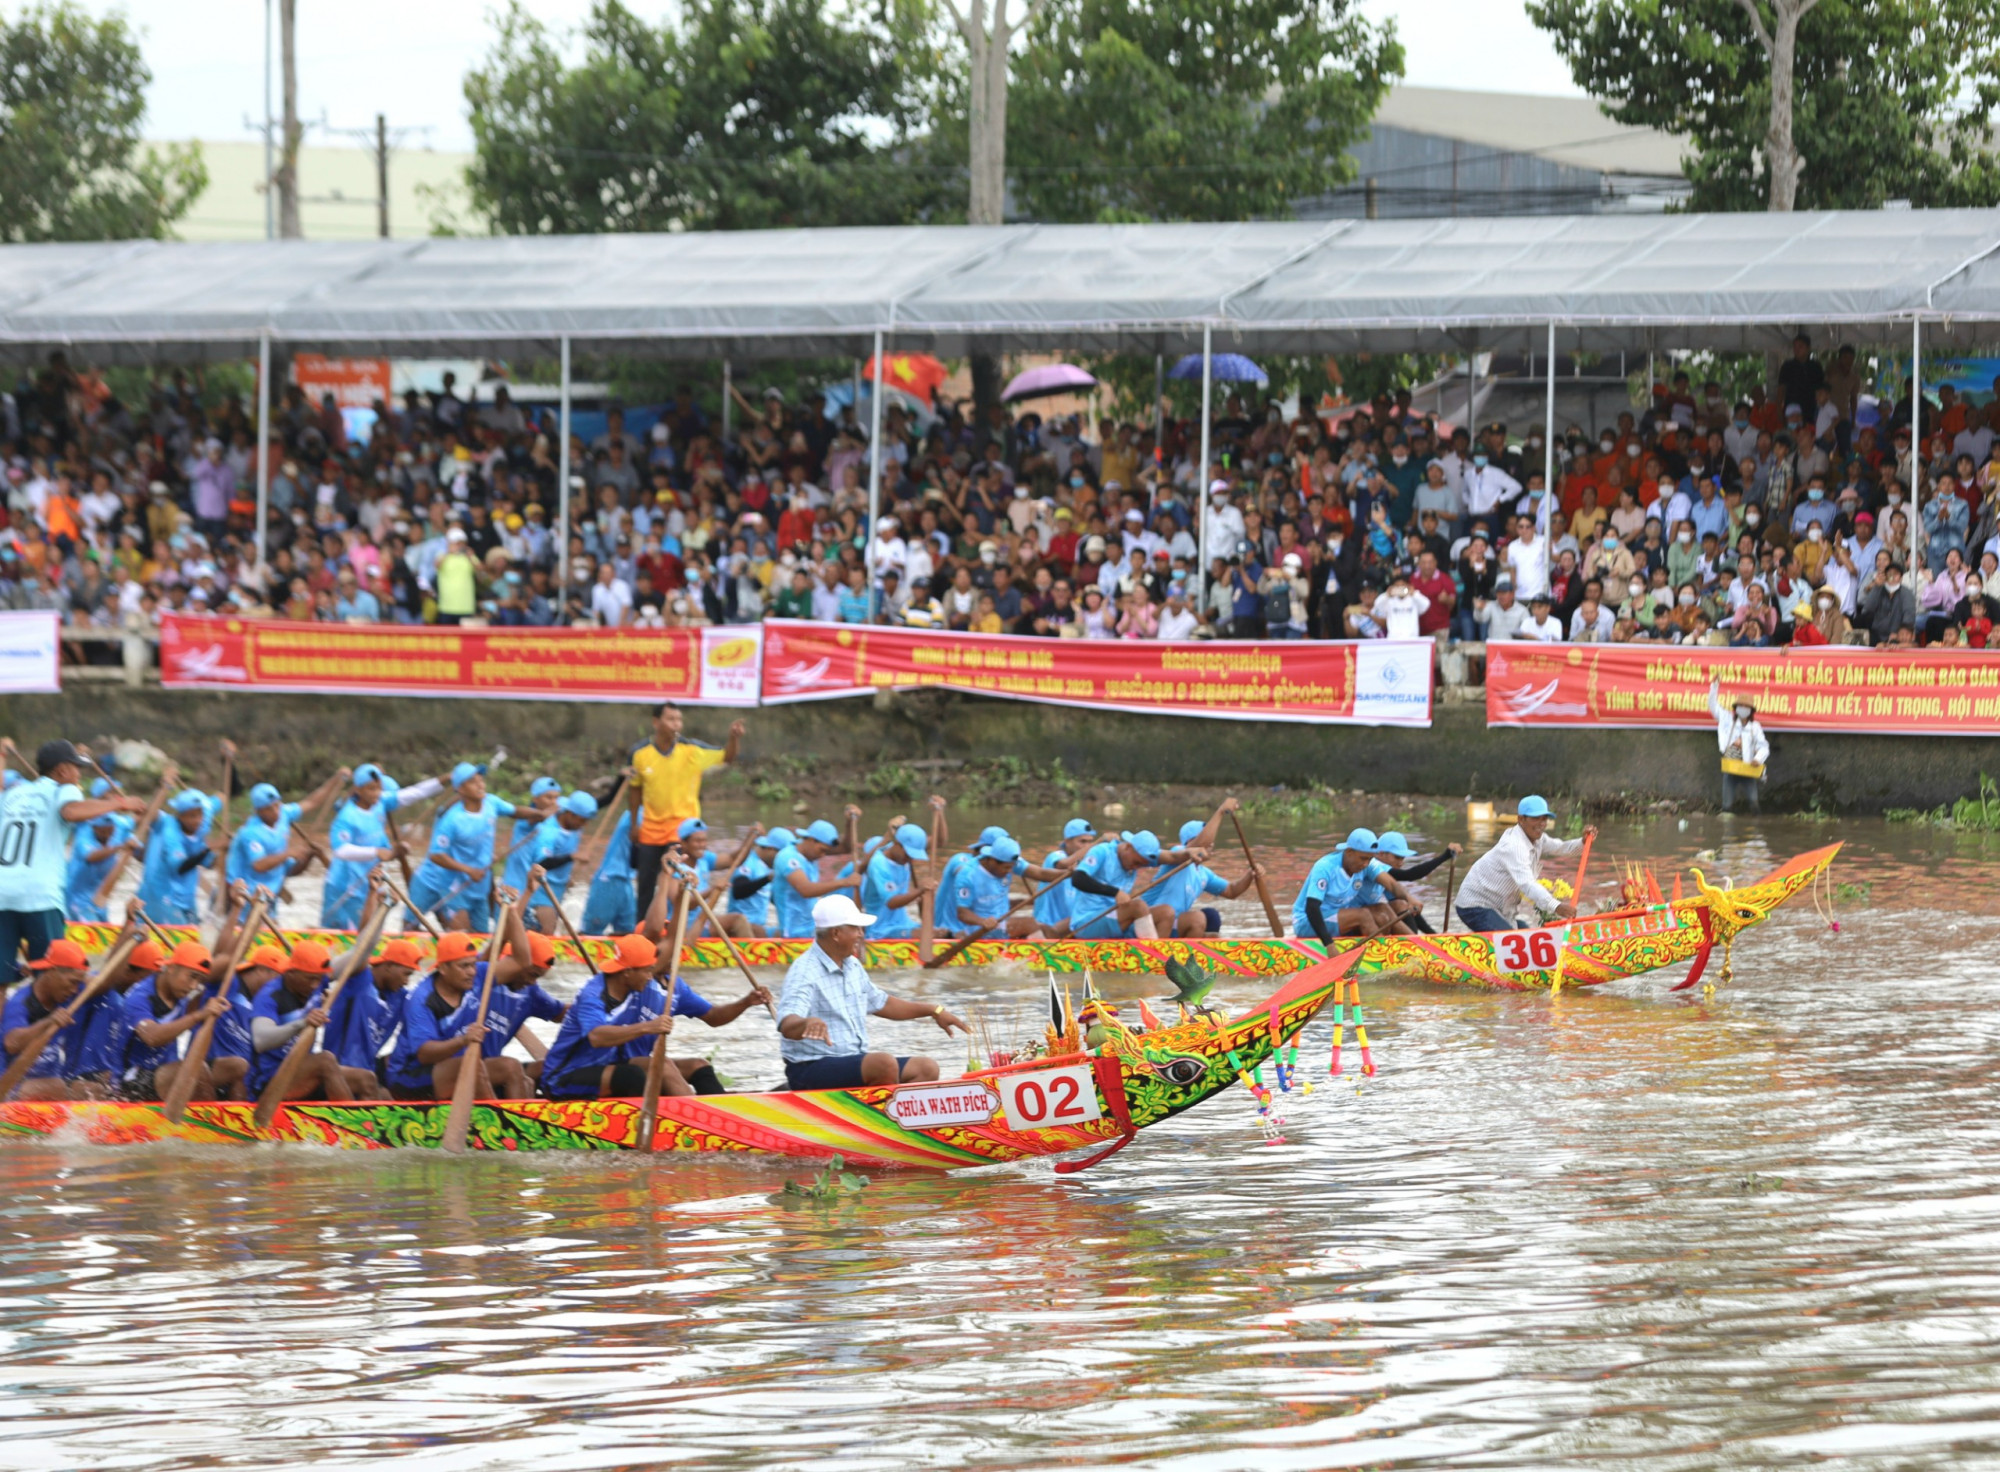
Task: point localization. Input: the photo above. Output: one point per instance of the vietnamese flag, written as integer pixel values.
(916, 374)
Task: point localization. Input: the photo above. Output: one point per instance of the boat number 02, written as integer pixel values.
(1528, 950)
(1050, 1097)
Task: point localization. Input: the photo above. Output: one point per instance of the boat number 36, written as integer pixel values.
(1527, 950)
(1050, 1097)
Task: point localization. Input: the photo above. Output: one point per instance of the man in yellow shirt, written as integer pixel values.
(666, 791)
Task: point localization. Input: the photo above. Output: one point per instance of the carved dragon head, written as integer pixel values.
(1732, 910)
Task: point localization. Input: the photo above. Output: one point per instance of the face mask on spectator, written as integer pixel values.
(1895, 498)
(1607, 444)
(1638, 590)
(1751, 518)
(1479, 460)
(1972, 590)
(1742, 712)
(1684, 537)
(1814, 532)
(1610, 543)
(1687, 597)
(1632, 452)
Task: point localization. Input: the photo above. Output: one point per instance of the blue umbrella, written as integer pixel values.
(1223, 368)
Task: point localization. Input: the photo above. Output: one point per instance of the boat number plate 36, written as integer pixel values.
(1050, 1097)
(1528, 950)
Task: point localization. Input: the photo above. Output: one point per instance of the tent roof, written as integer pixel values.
(1608, 281)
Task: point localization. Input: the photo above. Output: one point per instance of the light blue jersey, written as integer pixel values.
(174, 861)
(256, 840)
(755, 907)
(884, 881)
(794, 909)
(1329, 882)
(347, 879)
(1100, 862)
(34, 844)
(1183, 891)
(84, 877)
(554, 848)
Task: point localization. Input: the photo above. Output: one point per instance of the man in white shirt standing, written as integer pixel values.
(1487, 486)
(888, 550)
(1398, 610)
(1512, 868)
(1528, 559)
(1223, 521)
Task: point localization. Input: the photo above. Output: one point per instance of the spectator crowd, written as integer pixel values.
(1793, 514)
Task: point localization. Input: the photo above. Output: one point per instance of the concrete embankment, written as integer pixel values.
(296, 739)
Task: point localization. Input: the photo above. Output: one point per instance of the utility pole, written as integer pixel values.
(287, 177)
(270, 164)
(381, 176)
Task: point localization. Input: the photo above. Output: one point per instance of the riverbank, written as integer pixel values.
(980, 750)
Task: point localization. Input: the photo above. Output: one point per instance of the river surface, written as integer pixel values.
(1620, 1228)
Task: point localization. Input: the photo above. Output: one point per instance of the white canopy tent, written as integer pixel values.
(1603, 283)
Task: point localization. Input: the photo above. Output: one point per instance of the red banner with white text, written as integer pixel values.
(1374, 682)
(719, 666)
(1907, 692)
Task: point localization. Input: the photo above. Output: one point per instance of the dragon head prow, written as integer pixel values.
(1729, 909)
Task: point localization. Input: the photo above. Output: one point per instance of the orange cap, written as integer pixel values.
(62, 953)
(541, 950)
(400, 952)
(636, 953)
(267, 956)
(189, 953)
(456, 945)
(308, 955)
(147, 956)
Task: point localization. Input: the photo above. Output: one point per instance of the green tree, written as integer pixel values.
(1191, 109)
(72, 164)
(1893, 98)
(737, 114)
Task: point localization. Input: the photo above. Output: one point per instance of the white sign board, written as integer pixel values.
(28, 659)
(1528, 950)
(1049, 1097)
(1392, 681)
(732, 664)
(924, 1106)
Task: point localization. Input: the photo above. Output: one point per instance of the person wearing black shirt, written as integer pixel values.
(1801, 379)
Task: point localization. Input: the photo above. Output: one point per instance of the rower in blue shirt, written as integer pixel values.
(1051, 908)
(1182, 894)
(517, 996)
(795, 881)
(456, 879)
(438, 1028)
(281, 1012)
(544, 799)
(98, 1060)
(359, 840)
(368, 1014)
(94, 853)
(606, 1039)
(946, 920)
(750, 885)
(1105, 900)
(890, 891)
(157, 1015)
(611, 907)
(260, 855)
(1331, 902)
(45, 1008)
(553, 851)
(176, 852)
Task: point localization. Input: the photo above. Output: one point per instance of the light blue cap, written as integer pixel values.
(464, 772)
(690, 826)
(991, 835)
(1531, 807)
(101, 786)
(914, 841)
(1145, 841)
(1191, 830)
(822, 832)
(186, 801)
(1361, 839)
(777, 838)
(1001, 850)
(368, 772)
(1393, 842)
(581, 803)
(543, 784)
(1078, 828)
(263, 795)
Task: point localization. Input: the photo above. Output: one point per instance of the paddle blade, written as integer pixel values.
(285, 1078)
(185, 1076)
(458, 1125)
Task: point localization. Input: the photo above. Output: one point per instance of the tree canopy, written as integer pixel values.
(1191, 109)
(72, 163)
(736, 114)
(1894, 98)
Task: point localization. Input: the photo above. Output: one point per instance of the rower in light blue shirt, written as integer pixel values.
(889, 890)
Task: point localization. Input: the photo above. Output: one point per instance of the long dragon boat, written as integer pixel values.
(1612, 946)
(1088, 1091)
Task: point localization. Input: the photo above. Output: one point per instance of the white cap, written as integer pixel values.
(1218, 485)
(838, 909)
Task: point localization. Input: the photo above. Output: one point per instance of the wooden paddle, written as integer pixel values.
(222, 825)
(141, 830)
(176, 1102)
(1576, 905)
(107, 972)
(288, 1071)
(656, 1066)
(730, 941)
(396, 842)
(1450, 884)
(404, 900)
(1263, 889)
(458, 1123)
(582, 951)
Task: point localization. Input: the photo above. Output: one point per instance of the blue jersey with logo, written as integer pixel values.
(103, 1048)
(554, 848)
(82, 876)
(755, 907)
(1183, 891)
(34, 843)
(363, 1017)
(573, 1052)
(145, 1004)
(1329, 882)
(1100, 861)
(794, 909)
(885, 880)
(510, 1007)
(257, 839)
(464, 834)
(428, 1017)
(24, 1009)
(276, 1003)
(347, 879)
(979, 895)
(168, 889)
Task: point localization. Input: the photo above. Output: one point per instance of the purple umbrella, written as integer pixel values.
(1051, 378)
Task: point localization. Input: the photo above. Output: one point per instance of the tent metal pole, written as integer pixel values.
(1916, 438)
(1471, 388)
(874, 475)
(562, 479)
(1159, 407)
(1549, 435)
(728, 394)
(1202, 480)
(264, 455)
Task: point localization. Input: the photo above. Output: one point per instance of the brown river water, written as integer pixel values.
(1619, 1228)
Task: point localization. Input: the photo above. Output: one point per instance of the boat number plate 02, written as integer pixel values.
(1050, 1097)
(1528, 950)
(923, 1106)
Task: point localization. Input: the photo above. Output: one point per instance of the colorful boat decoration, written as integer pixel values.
(1093, 1091)
(1594, 950)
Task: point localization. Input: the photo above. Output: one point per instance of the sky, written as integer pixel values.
(405, 58)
